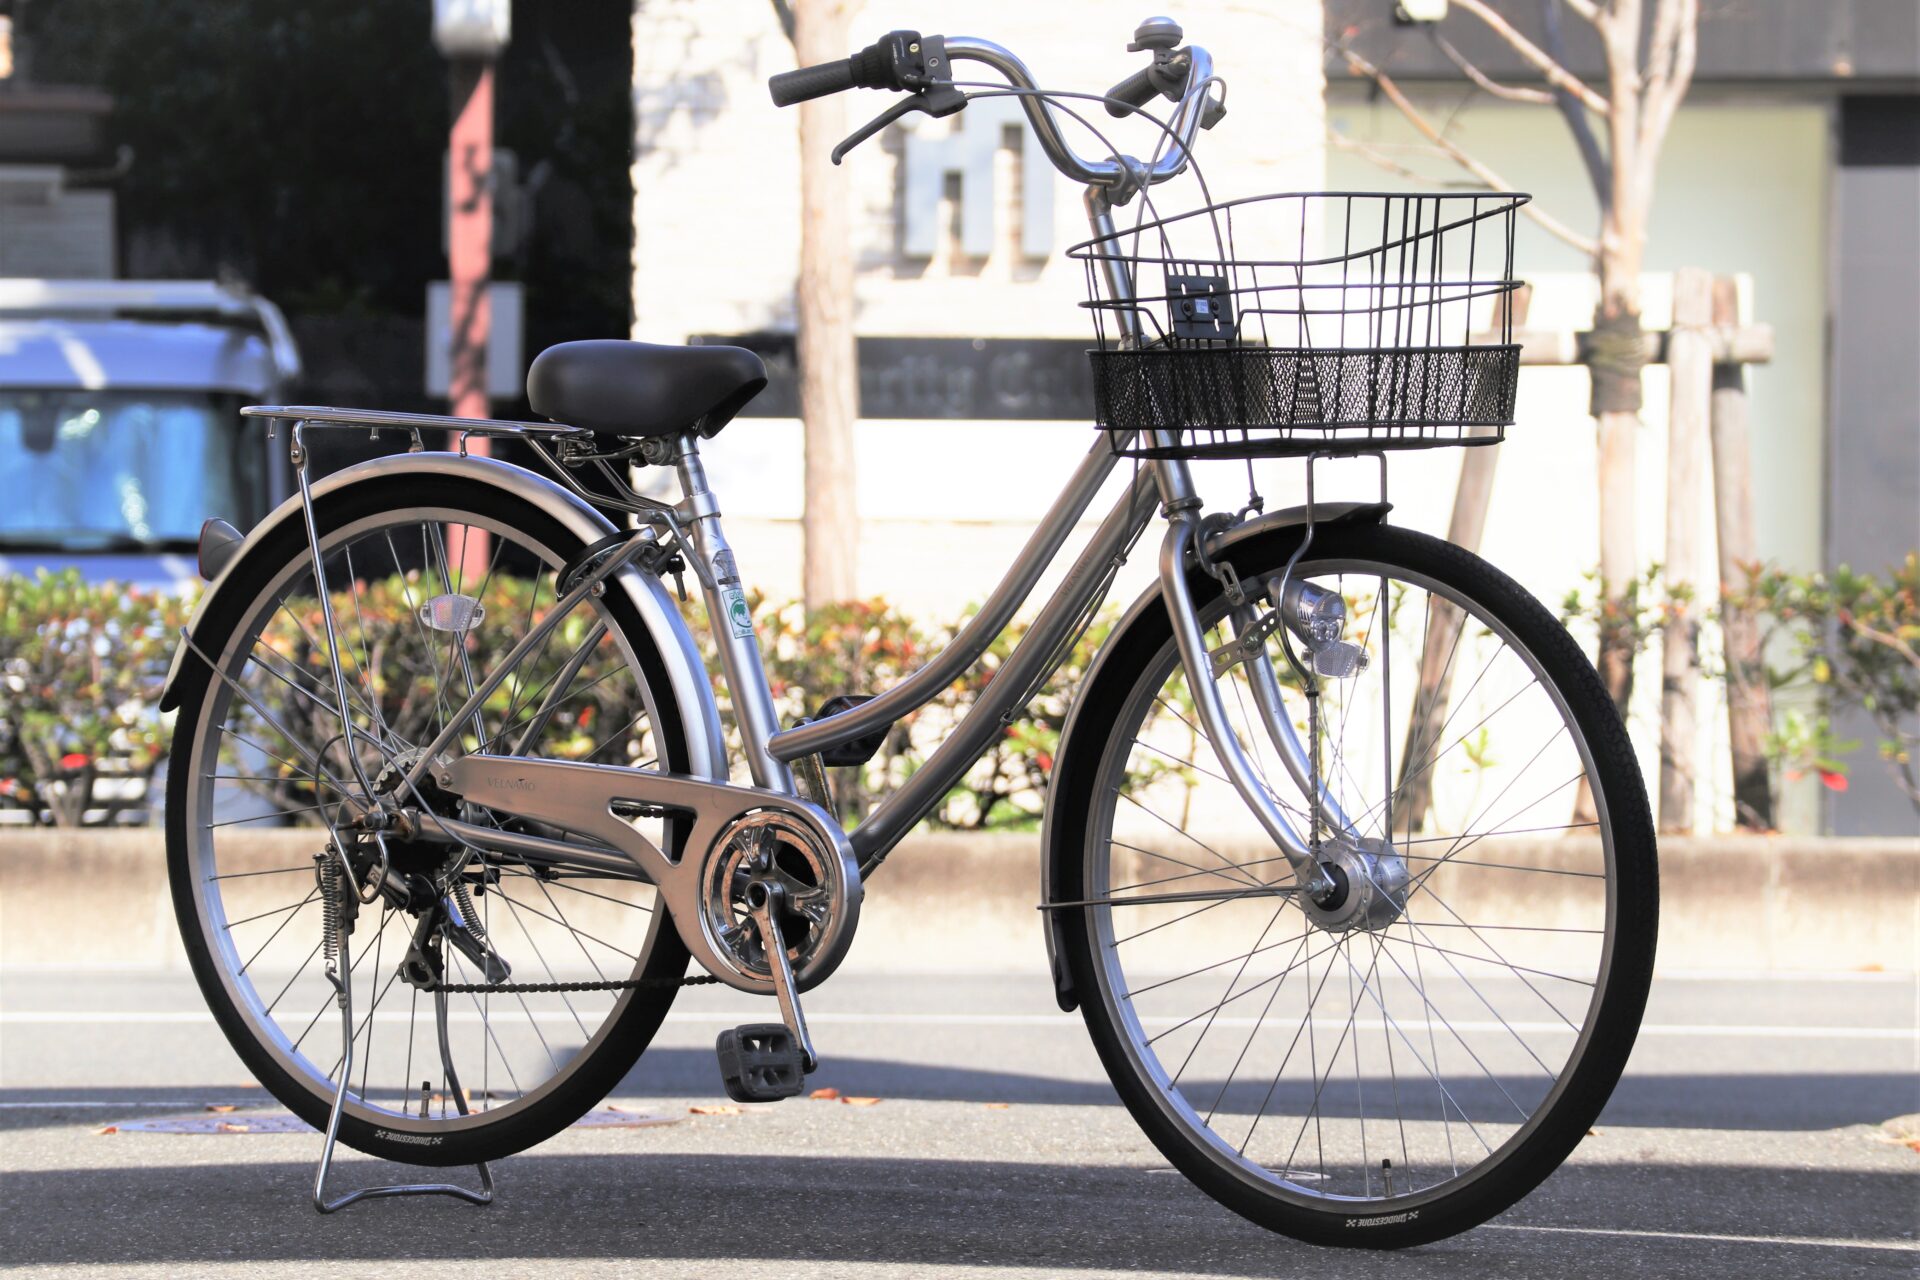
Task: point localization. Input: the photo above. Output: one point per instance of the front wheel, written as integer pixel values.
(1383, 1072)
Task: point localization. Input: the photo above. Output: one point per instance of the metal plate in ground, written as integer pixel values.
(281, 1122)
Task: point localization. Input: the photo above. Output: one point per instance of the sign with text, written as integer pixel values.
(505, 366)
(1026, 379)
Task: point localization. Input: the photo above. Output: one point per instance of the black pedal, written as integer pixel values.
(761, 1062)
(860, 750)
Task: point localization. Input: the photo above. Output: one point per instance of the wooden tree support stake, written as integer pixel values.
(1690, 364)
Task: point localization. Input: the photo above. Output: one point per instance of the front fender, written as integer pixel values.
(1147, 611)
(665, 627)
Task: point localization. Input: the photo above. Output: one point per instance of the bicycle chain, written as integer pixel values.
(550, 988)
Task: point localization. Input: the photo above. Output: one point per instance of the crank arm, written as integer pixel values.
(763, 898)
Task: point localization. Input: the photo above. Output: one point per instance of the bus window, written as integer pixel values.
(103, 470)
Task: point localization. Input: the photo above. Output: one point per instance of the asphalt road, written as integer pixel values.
(1747, 1141)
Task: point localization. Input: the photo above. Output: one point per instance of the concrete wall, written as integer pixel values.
(948, 902)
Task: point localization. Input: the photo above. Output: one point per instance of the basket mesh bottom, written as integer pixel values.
(1258, 401)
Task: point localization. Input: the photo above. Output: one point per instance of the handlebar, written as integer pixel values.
(790, 87)
(894, 61)
(1185, 124)
(902, 60)
(1136, 91)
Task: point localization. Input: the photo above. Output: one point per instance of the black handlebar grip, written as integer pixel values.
(1137, 90)
(789, 87)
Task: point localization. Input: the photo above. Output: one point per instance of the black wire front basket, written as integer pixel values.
(1375, 321)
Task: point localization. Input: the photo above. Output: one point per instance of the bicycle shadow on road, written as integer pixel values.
(895, 1215)
(1680, 1100)
(1773, 1103)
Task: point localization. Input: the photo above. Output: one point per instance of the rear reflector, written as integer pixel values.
(218, 543)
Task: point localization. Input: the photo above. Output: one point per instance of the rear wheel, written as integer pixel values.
(432, 582)
(1409, 1056)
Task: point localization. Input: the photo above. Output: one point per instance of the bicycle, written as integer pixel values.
(1345, 1002)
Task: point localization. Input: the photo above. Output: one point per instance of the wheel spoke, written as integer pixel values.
(265, 736)
(1353, 1069)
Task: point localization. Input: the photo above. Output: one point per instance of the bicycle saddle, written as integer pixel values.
(620, 388)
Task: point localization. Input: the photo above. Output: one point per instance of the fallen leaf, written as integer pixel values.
(111, 1128)
(717, 1109)
(1871, 968)
(998, 1106)
(228, 1126)
(1593, 1133)
(827, 1094)
(221, 1108)
(860, 1102)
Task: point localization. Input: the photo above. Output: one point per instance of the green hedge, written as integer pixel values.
(82, 667)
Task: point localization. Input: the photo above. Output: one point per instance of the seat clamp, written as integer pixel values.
(697, 506)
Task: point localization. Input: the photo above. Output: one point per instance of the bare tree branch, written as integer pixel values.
(1676, 30)
(1570, 108)
(1360, 66)
(1619, 27)
(1511, 93)
(784, 11)
(1377, 155)
(1586, 9)
(1660, 49)
(1557, 76)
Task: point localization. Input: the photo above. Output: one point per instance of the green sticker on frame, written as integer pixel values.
(739, 617)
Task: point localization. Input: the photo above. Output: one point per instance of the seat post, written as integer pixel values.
(730, 618)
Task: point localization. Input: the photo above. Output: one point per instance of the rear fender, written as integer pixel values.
(665, 627)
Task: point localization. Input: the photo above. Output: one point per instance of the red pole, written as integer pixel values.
(469, 263)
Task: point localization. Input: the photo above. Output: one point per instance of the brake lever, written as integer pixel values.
(937, 99)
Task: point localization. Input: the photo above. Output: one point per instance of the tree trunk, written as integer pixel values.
(1690, 370)
(1471, 498)
(1749, 706)
(1618, 354)
(829, 378)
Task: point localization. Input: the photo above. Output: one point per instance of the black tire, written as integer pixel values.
(1144, 648)
(626, 1032)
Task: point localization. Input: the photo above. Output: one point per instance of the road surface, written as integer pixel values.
(1747, 1141)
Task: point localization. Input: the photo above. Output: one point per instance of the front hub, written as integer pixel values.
(1369, 887)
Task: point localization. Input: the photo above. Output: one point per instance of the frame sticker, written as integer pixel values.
(733, 601)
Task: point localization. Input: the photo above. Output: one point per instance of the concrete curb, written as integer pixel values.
(965, 902)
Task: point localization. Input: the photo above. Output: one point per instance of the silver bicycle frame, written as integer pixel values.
(694, 525)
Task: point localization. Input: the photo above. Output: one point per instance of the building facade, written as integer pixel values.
(1791, 166)
(1794, 164)
(974, 400)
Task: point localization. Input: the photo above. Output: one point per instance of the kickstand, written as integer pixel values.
(340, 922)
